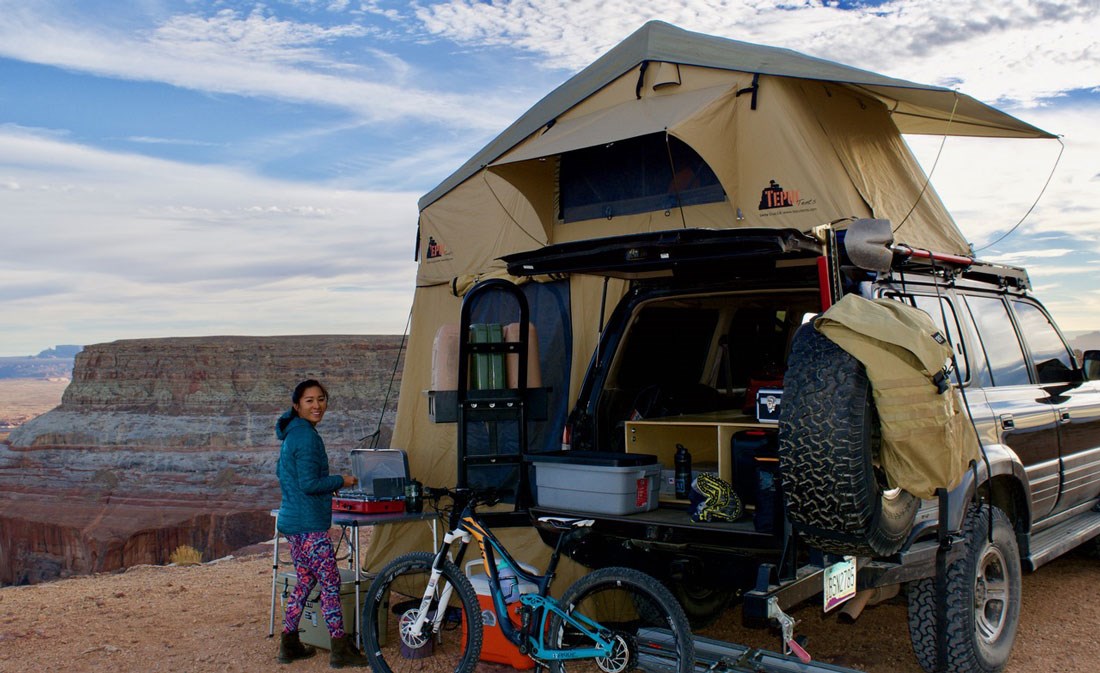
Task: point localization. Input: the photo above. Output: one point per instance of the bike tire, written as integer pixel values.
(394, 598)
(650, 628)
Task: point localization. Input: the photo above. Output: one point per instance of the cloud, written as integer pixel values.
(249, 55)
(1015, 51)
(131, 245)
(989, 185)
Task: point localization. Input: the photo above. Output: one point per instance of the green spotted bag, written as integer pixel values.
(713, 499)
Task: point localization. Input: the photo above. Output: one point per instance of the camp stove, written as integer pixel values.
(382, 475)
(359, 501)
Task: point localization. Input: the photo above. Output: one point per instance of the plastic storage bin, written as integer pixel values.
(597, 482)
(494, 646)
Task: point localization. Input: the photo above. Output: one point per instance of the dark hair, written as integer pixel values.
(302, 387)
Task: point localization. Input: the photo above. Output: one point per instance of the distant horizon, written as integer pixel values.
(1070, 335)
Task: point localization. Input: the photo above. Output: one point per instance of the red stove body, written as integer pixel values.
(361, 502)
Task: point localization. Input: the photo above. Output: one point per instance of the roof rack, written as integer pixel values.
(1002, 275)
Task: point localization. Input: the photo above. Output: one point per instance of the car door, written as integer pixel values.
(1076, 404)
(1023, 410)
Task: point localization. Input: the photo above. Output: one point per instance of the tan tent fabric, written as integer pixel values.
(780, 146)
(915, 108)
(927, 438)
(629, 119)
(880, 165)
(586, 297)
(829, 154)
(482, 220)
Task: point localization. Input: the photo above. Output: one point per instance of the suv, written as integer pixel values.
(711, 317)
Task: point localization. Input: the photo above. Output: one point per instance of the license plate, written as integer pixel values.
(840, 583)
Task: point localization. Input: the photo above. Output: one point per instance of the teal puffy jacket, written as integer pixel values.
(304, 477)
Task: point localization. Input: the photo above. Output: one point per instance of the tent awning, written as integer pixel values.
(651, 114)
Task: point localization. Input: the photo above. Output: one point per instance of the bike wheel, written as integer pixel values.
(647, 624)
(392, 605)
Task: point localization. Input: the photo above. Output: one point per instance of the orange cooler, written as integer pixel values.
(494, 646)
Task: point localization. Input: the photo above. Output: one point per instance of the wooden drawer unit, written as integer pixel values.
(706, 436)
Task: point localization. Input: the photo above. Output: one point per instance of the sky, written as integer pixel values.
(188, 168)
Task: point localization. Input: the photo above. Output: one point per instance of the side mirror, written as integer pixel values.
(868, 242)
(1090, 365)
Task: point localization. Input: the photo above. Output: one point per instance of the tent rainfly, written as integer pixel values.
(668, 129)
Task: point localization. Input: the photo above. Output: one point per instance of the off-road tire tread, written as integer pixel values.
(962, 654)
(827, 440)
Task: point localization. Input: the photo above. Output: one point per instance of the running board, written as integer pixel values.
(716, 656)
(1057, 540)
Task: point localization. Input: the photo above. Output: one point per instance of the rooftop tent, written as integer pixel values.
(822, 131)
(668, 129)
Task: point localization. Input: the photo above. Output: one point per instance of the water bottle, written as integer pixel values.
(683, 472)
(509, 583)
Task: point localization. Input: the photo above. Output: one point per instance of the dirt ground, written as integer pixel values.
(23, 399)
(213, 618)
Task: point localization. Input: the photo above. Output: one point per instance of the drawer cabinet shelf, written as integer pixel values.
(707, 436)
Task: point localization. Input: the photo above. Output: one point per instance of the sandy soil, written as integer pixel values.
(214, 618)
(23, 399)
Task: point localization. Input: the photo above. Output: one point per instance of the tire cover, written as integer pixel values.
(828, 435)
(927, 439)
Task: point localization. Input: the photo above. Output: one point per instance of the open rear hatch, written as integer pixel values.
(668, 253)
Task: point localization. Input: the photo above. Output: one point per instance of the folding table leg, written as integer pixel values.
(274, 578)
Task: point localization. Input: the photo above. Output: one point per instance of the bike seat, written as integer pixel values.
(566, 523)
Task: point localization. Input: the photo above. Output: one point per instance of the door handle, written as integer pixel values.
(1064, 415)
(1007, 422)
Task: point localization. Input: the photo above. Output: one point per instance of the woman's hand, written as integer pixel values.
(349, 480)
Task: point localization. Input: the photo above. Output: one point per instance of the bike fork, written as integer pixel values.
(433, 582)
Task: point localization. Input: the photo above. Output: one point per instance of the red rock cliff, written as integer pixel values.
(165, 442)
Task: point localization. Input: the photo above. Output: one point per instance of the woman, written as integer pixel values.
(305, 516)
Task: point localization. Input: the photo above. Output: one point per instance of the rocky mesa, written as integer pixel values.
(160, 443)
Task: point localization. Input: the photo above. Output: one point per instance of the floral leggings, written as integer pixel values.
(314, 561)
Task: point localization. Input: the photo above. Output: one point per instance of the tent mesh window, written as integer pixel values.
(637, 175)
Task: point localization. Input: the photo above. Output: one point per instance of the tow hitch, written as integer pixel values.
(786, 623)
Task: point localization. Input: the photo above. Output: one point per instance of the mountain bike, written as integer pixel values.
(422, 613)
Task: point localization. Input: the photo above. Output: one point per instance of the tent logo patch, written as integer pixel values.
(436, 250)
(774, 196)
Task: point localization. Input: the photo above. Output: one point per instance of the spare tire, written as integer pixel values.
(837, 499)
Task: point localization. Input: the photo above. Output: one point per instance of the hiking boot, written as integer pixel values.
(344, 653)
(291, 648)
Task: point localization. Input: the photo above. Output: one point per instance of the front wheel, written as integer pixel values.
(391, 608)
(646, 625)
(983, 600)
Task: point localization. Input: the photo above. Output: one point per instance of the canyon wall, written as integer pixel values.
(164, 442)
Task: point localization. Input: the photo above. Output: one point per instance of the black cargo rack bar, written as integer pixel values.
(1003, 275)
(654, 646)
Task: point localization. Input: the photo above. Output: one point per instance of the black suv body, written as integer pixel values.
(710, 317)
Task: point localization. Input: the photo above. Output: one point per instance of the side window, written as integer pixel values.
(634, 176)
(937, 309)
(1053, 361)
(998, 337)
